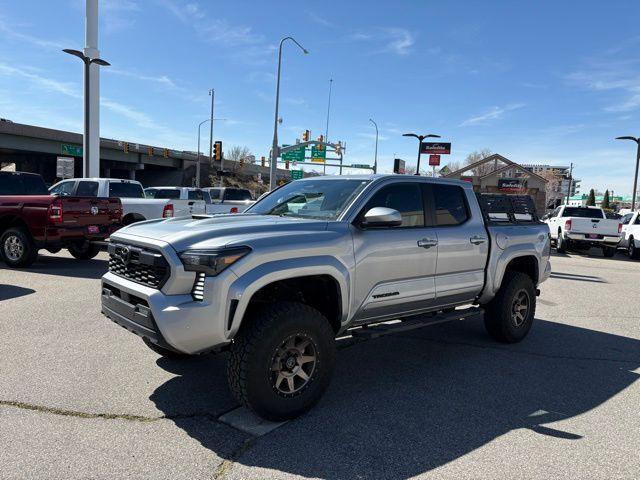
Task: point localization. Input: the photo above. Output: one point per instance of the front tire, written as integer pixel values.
(608, 252)
(282, 360)
(509, 316)
(561, 243)
(633, 251)
(18, 248)
(84, 250)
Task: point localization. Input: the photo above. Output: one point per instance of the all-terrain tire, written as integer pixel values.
(17, 247)
(500, 317)
(83, 250)
(258, 351)
(561, 243)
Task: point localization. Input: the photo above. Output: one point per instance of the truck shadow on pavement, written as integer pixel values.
(68, 267)
(13, 291)
(405, 404)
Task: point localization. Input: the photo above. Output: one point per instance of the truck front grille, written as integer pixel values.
(140, 265)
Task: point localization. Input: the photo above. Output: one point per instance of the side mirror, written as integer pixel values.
(381, 217)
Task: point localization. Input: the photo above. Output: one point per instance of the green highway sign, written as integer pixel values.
(318, 155)
(294, 155)
(73, 150)
(360, 165)
(297, 174)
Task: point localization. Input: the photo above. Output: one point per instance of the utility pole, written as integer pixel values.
(570, 183)
(375, 155)
(635, 177)
(326, 132)
(92, 92)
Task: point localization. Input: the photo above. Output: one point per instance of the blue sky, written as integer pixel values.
(544, 81)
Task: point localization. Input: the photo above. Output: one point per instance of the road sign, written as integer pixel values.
(73, 150)
(399, 166)
(296, 155)
(318, 155)
(438, 148)
(297, 174)
(64, 167)
(445, 171)
(434, 160)
(360, 165)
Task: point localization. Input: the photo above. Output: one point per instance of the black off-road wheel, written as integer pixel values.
(608, 251)
(17, 248)
(509, 316)
(165, 352)
(282, 360)
(632, 250)
(83, 250)
(561, 243)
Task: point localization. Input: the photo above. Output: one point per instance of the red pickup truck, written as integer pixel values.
(31, 219)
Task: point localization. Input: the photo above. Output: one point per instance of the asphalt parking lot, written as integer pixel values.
(82, 398)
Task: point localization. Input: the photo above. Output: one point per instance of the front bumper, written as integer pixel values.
(176, 322)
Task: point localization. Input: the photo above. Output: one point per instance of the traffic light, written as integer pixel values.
(262, 160)
(150, 151)
(321, 138)
(286, 164)
(241, 162)
(217, 150)
(166, 153)
(306, 135)
(125, 147)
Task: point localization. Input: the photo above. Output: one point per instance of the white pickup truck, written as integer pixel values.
(135, 207)
(583, 227)
(186, 200)
(227, 199)
(630, 234)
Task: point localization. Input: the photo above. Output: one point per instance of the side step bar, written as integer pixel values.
(411, 323)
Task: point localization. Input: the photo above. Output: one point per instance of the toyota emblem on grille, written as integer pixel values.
(124, 254)
(94, 210)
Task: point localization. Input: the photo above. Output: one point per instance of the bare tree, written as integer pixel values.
(553, 188)
(237, 153)
(484, 169)
(454, 165)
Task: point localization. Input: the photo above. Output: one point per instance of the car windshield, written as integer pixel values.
(125, 190)
(582, 212)
(322, 199)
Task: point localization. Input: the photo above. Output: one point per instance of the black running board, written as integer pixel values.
(411, 323)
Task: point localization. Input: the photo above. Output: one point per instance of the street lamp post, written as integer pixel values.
(375, 157)
(635, 178)
(87, 104)
(420, 139)
(273, 165)
(198, 154)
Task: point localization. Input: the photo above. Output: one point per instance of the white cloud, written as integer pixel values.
(494, 113)
(399, 41)
(161, 80)
(118, 14)
(48, 84)
(14, 34)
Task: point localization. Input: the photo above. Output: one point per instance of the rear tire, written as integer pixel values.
(509, 316)
(281, 360)
(633, 251)
(18, 248)
(84, 250)
(561, 243)
(165, 352)
(608, 251)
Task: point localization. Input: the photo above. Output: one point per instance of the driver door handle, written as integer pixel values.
(427, 243)
(477, 239)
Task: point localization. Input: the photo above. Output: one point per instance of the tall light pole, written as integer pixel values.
(375, 158)
(326, 132)
(198, 155)
(87, 170)
(635, 178)
(273, 165)
(420, 139)
(570, 183)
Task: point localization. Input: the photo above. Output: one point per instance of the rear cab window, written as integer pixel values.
(163, 193)
(22, 184)
(125, 190)
(582, 212)
(450, 205)
(238, 194)
(195, 195)
(87, 189)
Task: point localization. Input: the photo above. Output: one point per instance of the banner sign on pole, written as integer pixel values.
(64, 167)
(434, 160)
(438, 148)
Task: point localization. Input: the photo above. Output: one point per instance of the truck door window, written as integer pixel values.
(195, 195)
(406, 198)
(125, 190)
(64, 188)
(87, 189)
(637, 222)
(450, 205)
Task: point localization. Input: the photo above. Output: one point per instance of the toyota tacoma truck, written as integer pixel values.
(135, 206)
(31, 219)
(356, 255)
(583, 227)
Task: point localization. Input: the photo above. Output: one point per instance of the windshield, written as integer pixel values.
(582, 212)
(322, 199)
(163, 193)
(237, 194)
(125, 190)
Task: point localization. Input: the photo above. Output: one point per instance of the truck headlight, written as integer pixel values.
(212, 262)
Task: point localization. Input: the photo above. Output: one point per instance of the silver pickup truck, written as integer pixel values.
(321, 258)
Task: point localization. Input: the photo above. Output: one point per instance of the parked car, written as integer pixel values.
(31, 219)
(227, 199)
(630, 234)
(130, 192)
(276, 285)
(583, 227)
(186, 200)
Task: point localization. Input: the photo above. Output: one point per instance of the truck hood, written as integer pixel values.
(217, 231)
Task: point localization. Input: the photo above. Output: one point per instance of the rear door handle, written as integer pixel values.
(427, 243)
(477, 239)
